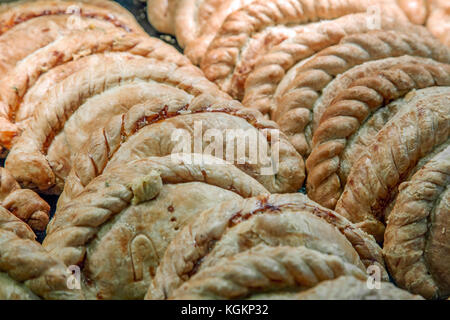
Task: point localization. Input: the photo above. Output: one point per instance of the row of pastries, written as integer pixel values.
(350, 99)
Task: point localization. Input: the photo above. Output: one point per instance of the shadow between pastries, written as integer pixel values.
(417, 232)
(399, 150)
(28, 159)
(32, 78)
(275, 220)
(27, 271)
(148, 130)
(118, 228)
(299, 93)
(351, 105)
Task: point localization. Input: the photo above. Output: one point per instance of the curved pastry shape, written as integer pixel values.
(147, 130)
(27, 271)
(416, 238)
(129, 215)
(27, 161)
(398, 148)
(102, 10)
(24, 204)
(29, 36)
(160, 14)
(352, 288)
(280, 64)
(264, 269)
(213, 233)
(350, 109)
(222, 62)
(293, 104)
(438, 20)
(198, 21)
(73, 47)
(415, 10)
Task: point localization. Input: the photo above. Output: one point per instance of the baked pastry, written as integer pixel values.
(29, 160)
(147, 130)
(399, 150)
(24, 204)
(29, 36)
(279, 66)
(352, 288)
(417, 232)
(224, 62)
(16, 106)
(439, 20)
(264, 269)
(233, 227)
(354, 103)
(128, 216)
(299, 93)
(198, 21)
(160, 14)
(415, 10)
(21, 11)
(27, 271)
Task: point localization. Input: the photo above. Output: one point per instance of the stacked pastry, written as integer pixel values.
(27, 270)
(187, 193)
(362, 92)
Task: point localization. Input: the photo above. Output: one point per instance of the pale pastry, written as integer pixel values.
(290, 219)
(27, 159)
(296, 97)
(24, 204)
(27, 271)
(117, 230)
(352, 288)
(224, 61)
(160, 14)
(439, 20)
(418, 231)
(264, 269)
(415, 10)
(198, 21)
(279, 66)
(110, 11)
(355, 103)
(396, 153)
(22, 78)
(147, 130)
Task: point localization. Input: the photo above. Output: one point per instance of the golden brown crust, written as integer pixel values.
(398, 147)
(351, 108)
(25, 261)
(72, 47)
(351, 288)
(24, 204)
(198, 21)
(416, 239)
(138, 133)
(129, 215)
(293, 104)
(181, 261)
(281, 62)
(27, 161)
(160, 14)
(102, 10)
(224, 52)
(264, 269)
